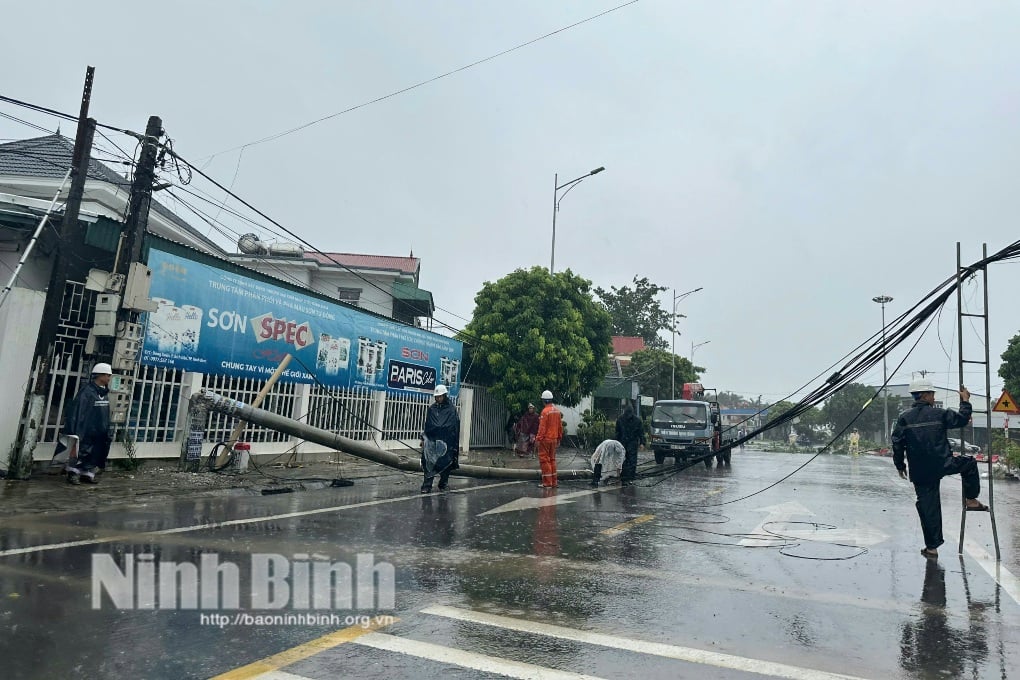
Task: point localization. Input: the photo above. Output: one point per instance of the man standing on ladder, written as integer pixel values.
(921, 434)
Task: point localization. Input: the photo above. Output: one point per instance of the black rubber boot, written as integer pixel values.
(596, 475)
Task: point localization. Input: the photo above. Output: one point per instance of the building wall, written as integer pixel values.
(35, 275)
(20, 316)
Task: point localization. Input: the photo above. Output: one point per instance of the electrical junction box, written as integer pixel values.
(105, 323)
(125, 354)
(136, 290)
(122, 388)
(104, 282)
(127, 346)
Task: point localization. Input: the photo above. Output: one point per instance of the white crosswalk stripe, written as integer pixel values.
(465, 659)
(768, 668)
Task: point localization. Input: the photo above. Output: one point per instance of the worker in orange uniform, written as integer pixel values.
(550, 432)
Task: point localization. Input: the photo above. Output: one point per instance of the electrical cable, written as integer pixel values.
(417, 85)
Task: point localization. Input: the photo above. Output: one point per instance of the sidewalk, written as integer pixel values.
(160, 481)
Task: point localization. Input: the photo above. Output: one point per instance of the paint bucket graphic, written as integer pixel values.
(172, 329)
(322, 352)
(343, 354)
(191, 328)
(155, 331)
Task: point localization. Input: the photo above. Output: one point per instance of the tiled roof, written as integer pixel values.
(625, 345)
(404, 265)
(50, 157)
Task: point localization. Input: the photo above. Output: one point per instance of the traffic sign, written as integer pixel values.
(1006, 404)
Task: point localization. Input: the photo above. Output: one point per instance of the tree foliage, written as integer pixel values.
(532, 331)
(1010, 368)
(635, 312)
(653, 370)
(843, 406)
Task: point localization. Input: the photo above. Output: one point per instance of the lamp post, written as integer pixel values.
(883, 300)
(694, 347)
(556, 206)
(677, 298)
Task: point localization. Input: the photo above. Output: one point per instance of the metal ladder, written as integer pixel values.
(961, 274)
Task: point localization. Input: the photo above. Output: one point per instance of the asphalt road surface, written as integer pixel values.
(819, 577)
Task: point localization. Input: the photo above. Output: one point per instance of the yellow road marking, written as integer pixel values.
(715, 491)
(620, 528)
(295, 654)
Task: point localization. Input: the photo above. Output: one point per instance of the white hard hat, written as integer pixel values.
(547, 395)
(102, 369)
(922, 385)
(441, 390)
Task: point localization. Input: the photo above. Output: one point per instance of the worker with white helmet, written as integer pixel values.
(550, 432)
(89, 419)
(440, 440)
(921, 436)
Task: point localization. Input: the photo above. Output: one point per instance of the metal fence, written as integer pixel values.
(154, 405)
(346, 411)
(404, 417)
(69, 363)
(488, 420)
(279, 400)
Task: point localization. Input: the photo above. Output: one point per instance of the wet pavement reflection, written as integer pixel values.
(663, 579)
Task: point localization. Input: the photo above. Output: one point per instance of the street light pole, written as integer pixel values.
(676, 299)
(883, 300)
(694, 347)
(556, 207)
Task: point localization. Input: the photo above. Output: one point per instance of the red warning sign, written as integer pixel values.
(1006, 404)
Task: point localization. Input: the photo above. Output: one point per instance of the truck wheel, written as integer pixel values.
(679, 461)
(659, 458)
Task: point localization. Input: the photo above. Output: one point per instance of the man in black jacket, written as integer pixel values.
(630, 432)
(921, 434)
(89, 419)
(442, 424)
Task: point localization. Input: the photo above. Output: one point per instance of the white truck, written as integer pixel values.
(690, 428)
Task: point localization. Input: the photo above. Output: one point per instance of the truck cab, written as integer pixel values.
(688, 428)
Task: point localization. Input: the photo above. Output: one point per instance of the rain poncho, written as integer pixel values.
(609, 454)
(433, 450)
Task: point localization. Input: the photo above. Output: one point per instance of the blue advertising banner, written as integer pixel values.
(210, 320)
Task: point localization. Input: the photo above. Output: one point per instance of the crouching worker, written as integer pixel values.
(89, 419)
(440, 441)
(607, 460)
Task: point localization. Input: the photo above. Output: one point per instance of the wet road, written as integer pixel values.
(819, 577)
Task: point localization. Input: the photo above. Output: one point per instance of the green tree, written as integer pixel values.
(653, 369)
(842, 407)
(777, 409)
(1010, 368)
(532, 331)
(635, 311)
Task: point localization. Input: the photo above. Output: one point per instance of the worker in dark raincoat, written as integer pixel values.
(921, 435)
(630, 432)
(440, 441)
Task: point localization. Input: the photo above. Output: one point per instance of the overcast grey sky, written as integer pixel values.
(795, 159)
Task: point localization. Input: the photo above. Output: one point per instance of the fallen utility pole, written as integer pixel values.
(237, 409)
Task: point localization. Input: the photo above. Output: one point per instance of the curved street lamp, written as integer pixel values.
(694, 347)
(676, 299)
(556, 206)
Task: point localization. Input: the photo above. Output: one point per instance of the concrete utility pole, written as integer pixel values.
(141, 197)
(133, 236)
(20, 465)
